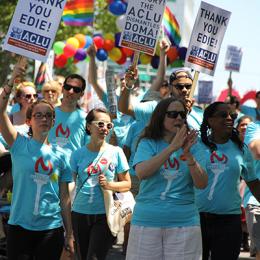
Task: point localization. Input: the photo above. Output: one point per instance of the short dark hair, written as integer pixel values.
(174, 74)
(91, 116)
(234, 100)
(76, 76)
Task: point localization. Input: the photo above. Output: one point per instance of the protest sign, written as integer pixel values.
(142, 25)
(33, 28)
(233, 58)
(207, 35)
(111, 93)
(205, 92)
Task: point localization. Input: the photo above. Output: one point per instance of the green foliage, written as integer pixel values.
(104, 22)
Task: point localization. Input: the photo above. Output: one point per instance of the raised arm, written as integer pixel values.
(254, 147)
(6, 128)
(92, 74)
(158, 81)
(124, 103)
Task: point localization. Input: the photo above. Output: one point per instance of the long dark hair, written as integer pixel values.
(205, 128)
(155, 129)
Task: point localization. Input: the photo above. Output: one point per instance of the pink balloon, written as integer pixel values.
(69, 50)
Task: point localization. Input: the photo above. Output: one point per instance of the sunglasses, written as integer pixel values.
(182, 86)
(50, 90)
(225, 114)
(75, 89)
(29, 96)
(101, 124)
(174, 114)
(40, 115)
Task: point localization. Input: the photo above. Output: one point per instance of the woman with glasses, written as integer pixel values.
(165, 222)
(51, 92)
(25, 95)
(40, 202)
(96, 165)
(227, 159)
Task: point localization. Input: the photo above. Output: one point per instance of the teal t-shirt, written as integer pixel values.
(69, 131)
(87, 166)
(121, 124)
(252, 133)
(165, 199)
(37, 170)
(224, 168)
(250, 111)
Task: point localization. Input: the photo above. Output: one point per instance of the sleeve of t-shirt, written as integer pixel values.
(145, 150)
(122, 165)
(248, 167)
(66, 171)
(252, 133)
(74, 161)
(143, 111)
(19, 142)
(129, 137)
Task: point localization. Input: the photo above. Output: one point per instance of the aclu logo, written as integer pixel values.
(16, 33)
(203, 54)
(128, 36)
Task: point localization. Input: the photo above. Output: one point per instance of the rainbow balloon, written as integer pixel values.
(171, 27)
(78, 13)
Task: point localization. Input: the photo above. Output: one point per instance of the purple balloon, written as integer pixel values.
(117, 7)
(155, 62)
(117, 39)
(182, 53)
(80, 54)
(101, 55)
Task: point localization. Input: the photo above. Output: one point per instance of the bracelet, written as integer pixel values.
(129, 88)
(7, 93)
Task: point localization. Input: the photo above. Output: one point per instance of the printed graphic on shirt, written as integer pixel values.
(217, 166)
(170, 172)
(62, 135)
(41, 177)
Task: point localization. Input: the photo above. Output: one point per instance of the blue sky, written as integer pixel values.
(243, 31)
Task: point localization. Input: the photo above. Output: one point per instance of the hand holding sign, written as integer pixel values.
(18, 72)
(131, 77)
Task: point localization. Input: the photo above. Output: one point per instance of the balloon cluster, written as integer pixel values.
(74, 50)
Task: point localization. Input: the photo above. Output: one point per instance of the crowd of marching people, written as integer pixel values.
(193, 171)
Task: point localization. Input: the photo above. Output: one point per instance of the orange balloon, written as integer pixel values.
(172, 54)
(108, 44)
(82, 39)
(128, 52)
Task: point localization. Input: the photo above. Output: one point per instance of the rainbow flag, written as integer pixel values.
(171, 27)
(78, 13)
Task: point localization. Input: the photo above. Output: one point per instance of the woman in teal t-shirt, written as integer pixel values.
(165, 223)
(227, 159)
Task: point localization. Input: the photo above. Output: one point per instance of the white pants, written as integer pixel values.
(182, 243)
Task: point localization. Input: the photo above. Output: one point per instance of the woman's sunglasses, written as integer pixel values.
(174, 114)
(29, 96)
(225, 114)
(75, 89)
(182, 86)
(101, 124)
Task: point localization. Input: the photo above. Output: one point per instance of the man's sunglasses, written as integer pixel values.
(75, 89)
(29, 96)
(101, 124)
(225, 114)
(182, 86)
(174, 114)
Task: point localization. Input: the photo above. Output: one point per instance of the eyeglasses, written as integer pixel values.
(40, 115)
(182, 86)
(174, 114)
(50, 90)
(75, 89)
(225, 114)
(101, 124)
(29, 96)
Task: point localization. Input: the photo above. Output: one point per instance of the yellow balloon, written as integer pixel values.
(115, 54)
(73, 41)
(109, 36)
(145, 59)
(157, 51)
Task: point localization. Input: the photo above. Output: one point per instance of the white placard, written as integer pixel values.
(206, 39)
(33, 28)
(142, 25)
(233, 58)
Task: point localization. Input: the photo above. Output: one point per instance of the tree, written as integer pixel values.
(104, 22)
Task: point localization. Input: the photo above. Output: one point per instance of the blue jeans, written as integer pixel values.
(221, 236)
